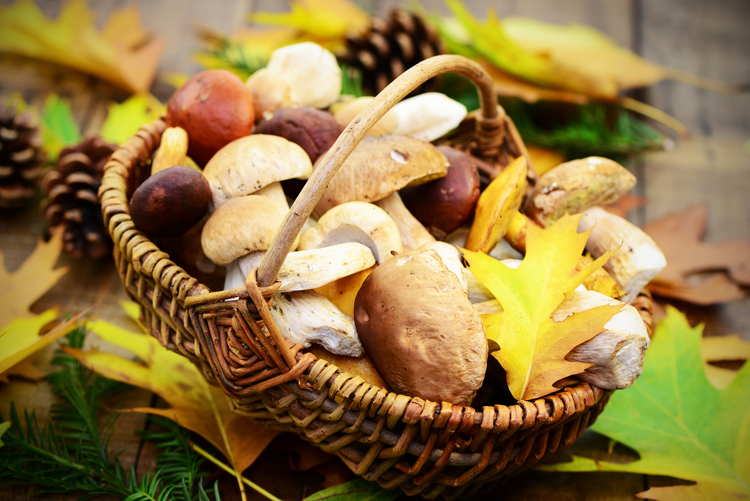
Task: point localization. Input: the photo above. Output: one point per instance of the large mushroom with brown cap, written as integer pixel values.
(380, 166)
(420, 330)
(253, 163)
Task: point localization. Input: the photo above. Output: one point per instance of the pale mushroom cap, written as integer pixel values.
(428, 116)
(240, 226)
(360, 222)
(347, 112)
(420, 331)
(312, 72)
(379, 166)
(248, 164)
(270, 92)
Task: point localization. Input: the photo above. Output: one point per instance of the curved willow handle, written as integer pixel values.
(354, 133)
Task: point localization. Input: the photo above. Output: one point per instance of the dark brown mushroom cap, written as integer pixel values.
(444, 204)
(170, 202)
(314, 130)
(420, 330)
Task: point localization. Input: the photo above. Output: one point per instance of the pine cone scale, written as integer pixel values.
(21, 157)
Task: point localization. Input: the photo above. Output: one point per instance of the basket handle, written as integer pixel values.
(355, 132)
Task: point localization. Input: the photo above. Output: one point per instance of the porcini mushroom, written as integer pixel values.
(360, 222)
(638, 259)
(311, 71)
(379, 166)
(428, 116)
(420, 331)
(253, 162)
(313, 130)
(413, 234)
(348, 111)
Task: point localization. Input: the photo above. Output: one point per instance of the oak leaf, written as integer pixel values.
(680, 425)
(193, 403)
(532, 345)
(680, 237)
(122, 53)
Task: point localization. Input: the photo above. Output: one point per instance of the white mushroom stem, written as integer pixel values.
(306, 317)
(451, 257)
(275, 191)
(303, 270)
(616, 353)
(413, 233)
(637, 261)
(360, 222)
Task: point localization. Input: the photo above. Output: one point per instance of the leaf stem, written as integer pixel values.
(229, 470)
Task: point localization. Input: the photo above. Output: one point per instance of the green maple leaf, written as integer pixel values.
(124, 119)
(59, 127)
(680, 425)
(532, 345)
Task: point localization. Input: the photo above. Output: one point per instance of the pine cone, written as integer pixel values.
(390, 47)
(21, 157)
(72, 201)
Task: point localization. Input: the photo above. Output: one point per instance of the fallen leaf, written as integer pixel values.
(122, 53)
(25, 369)
(193, 403)
(59, 128)
(625, 205)
(355, 490)
(30, 281)
(544, 159)
(680, 237)
(679, 424)
(20, 338)
(532, 345)
(720, 349)
(124, 119)
(326, 22)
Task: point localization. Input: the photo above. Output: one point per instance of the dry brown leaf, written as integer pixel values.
(680, 237)
(25, 369)
(122, 53)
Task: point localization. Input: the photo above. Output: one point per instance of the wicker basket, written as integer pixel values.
(428, 448)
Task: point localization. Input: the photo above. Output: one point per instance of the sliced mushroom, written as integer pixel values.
(637, 261)
(413, 234)
(250, 163)
(379, 166)
(360, 222)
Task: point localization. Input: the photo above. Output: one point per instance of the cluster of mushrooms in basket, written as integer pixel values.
(376, 283)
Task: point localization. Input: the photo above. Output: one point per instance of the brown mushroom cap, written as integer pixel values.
(170, 202)
(240, 226)
(314, 130)
(379, 166)
(252, 162)
(420, 330)
(443, 205)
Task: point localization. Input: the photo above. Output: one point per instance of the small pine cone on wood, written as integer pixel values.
(22, 157)
(72, 203)
(391, 46)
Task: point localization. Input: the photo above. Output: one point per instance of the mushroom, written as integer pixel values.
(413, 233)
(240, 230)
(638, 259)
(575, 186)
(428, 116)
(312, 73)
(617, 353)
(270, 92)
(380, 166)
(347, 112)
(314, 130)
(420, 331)
(444, 204)
(172, 150)
(170, 202)
(253, 162)
(360, 222)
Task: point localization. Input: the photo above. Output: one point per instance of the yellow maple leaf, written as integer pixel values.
(193, 403)
(123, 53)
(532, 345)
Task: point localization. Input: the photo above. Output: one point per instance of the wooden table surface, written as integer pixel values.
(712, 166)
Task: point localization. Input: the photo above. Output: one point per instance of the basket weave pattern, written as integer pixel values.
(428, 448)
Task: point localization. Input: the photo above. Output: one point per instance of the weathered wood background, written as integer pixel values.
(709, 38)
